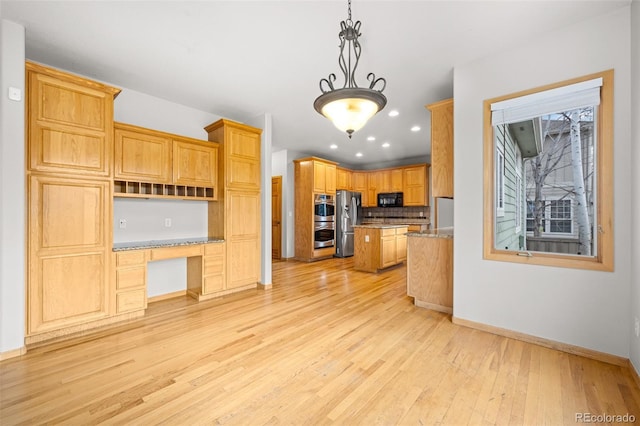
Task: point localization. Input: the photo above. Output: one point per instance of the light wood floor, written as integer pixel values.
(327, 345)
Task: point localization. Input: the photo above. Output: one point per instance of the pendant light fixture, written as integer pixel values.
(350, 107)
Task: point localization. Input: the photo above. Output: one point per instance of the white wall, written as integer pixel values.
(635, 133)
(12, 189)
(577, 307)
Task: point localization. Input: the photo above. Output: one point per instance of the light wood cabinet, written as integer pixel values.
(130, 280)
(69, 244)
(416, 185)
(153, 164)
(324, 177)
(397, 180)
(195, 163)
(311, 176)
(430, 272)
(69, 124)
(360, 184)
(373, 185)
(236, 216)
(377, 248)
(141, 155)
(442, 148)
(344, 179)
(213, 268)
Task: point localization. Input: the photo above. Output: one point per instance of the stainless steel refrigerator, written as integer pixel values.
(348, 213)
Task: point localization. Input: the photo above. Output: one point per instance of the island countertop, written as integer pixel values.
(433, 233)
(380, 225)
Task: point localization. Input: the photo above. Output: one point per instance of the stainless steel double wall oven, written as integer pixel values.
(324, 230)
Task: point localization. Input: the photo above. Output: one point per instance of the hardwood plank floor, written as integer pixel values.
(326, 345)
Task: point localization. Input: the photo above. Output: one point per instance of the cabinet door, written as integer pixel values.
(360, 185)
(319, 177)
(142, 157)
(415, 186)
(194, 164)
(330, 179)
(343, 179)
(397, 180)
(388, 251)
(68, 252)
(373, 179)
(243, 238)
(401, 246)
(384, 181)
(69, 127)
(243, 159)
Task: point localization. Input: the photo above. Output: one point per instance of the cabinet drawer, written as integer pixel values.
(131, 300)
(212, 284)
(216, 249)
(132, 257)
(175, 252)
(384, 232)
(213, 265)
(131, 277)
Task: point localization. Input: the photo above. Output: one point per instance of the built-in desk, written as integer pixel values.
(205, 269)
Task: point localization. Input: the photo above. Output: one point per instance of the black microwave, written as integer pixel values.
(390, 199)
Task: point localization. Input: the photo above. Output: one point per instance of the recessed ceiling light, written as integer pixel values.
(358, 154)
(386, 145)
(393, 113)
(334, 146)
(415, 129)
(371, 138)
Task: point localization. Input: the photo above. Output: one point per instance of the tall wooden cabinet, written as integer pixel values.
(236, 215)
(416, 185)
(442, 148)
(312, 176)
(69, 192)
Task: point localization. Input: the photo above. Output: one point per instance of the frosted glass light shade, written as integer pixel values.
(350, 109)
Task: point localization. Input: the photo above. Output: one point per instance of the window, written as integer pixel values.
(560, 218)
(548, 159)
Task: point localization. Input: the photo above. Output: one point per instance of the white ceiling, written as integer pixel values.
(240, 59)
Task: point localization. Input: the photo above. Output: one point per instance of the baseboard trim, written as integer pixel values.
(265, 286)
(433, 306)
(14, 353)
(634, 373)
(552, 344)
(167, 296)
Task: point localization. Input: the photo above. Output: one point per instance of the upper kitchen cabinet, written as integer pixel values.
(442, 148)
(194, 163)
(390, 180)
(416, 185)
(153, 164)
(344, 179)
(141, 154)
(361, 185)
(70, 122)
(241, 163)
(324, 176)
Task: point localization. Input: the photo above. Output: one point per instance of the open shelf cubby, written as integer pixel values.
(132, 189)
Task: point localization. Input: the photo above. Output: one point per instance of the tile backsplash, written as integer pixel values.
(396, 212)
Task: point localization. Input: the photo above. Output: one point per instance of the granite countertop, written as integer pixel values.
(433, 233)
(137, 245)
(396, 220)
(380, 225)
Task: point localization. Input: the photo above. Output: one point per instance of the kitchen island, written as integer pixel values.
(430, 269)
(379, 246)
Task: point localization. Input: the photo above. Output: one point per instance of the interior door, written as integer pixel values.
(276, 217)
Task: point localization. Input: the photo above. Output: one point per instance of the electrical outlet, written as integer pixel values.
(167, 222)
(123, 223)
(366, 238)
(637, 327)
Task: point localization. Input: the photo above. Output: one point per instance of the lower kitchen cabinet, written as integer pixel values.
(131, 280)
(430, 270)
(213, 268)
(379, 246)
